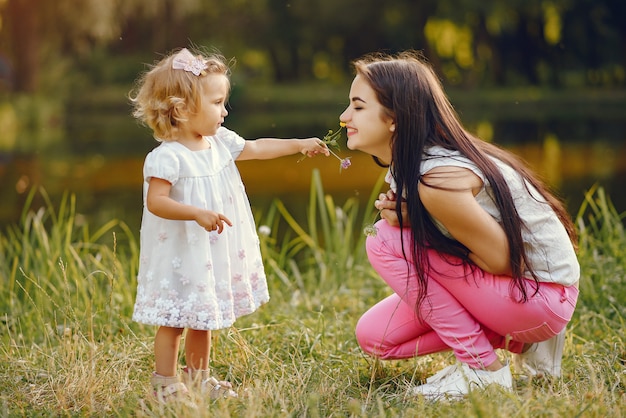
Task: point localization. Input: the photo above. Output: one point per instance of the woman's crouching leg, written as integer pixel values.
(391, 330)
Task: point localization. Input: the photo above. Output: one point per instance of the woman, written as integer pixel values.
(479, 254)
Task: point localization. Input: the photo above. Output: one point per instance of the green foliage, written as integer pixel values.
(309, 259)
(68, 347)
(601, 249)
(472, 42)
(600, 319)
(37, 117)
(57, 275)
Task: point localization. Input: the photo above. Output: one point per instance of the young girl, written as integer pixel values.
(479, 254)
(200, 262)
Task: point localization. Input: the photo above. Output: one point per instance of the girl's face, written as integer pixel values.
(369, 129)
(211, 110)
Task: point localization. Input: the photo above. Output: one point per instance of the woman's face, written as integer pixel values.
(369, 129)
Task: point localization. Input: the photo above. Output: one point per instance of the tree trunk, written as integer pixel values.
(24, 23)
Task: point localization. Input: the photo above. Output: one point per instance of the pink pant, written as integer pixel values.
(470, 312)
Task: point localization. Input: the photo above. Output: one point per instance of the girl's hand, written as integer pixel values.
(313, 146)
(386, 204)
(161, 204)
(212, 221)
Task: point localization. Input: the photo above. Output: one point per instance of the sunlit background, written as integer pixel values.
(545, 79)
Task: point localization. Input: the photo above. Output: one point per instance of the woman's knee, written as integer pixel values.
(362, 332)
(371, 341)
(367, 337)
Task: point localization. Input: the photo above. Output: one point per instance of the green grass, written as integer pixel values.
(69, 348)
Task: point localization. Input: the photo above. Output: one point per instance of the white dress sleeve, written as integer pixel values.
(231, 140)
(163, 163)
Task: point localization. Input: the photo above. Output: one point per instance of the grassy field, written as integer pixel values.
(69, 348)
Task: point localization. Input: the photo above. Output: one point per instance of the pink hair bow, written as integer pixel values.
(184, 60)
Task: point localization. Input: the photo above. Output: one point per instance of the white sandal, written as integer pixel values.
(216, 389)
(168, 388)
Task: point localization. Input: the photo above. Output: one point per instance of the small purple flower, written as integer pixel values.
(330, 139)
(343, 162)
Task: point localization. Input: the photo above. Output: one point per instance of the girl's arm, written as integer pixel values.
(159, 202)
(268, 148)
(457, 209)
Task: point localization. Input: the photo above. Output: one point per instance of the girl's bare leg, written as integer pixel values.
(166, 346)
(197, 349)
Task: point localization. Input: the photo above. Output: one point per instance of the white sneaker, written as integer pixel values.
(459, 379)
(543, 358)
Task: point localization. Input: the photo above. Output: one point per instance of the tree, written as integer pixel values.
(24, 31)
(41, 32)
(532, 41)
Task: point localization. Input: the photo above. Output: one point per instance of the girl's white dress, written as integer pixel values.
(188, 277)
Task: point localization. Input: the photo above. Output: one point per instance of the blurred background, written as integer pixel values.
(544, 78)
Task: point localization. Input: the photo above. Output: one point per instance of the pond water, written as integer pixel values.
(101, 157)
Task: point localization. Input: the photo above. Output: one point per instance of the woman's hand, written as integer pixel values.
(386, 204)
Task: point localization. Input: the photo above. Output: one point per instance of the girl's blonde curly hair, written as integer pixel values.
(164, 95)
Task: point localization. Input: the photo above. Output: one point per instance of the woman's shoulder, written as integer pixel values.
(438, 156)
(446, 178)
(439, 151)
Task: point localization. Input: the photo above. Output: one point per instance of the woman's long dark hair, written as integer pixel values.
(408, 89)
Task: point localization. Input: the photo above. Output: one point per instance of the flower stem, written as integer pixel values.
(335, 155)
